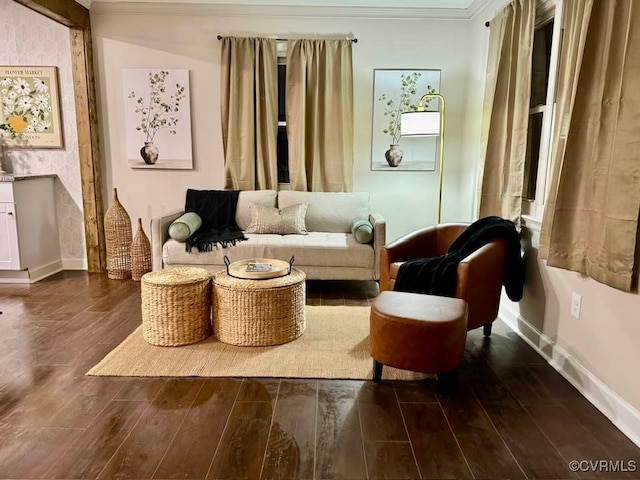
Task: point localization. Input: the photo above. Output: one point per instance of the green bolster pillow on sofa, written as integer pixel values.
(185, 226)
(362, 230)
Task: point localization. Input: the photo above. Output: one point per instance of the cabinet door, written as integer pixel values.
(9, 251)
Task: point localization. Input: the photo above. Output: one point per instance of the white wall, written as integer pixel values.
(28, 38)
(479, 35)
(153, 39)
(598, 351)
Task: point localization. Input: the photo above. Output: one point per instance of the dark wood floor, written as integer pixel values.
(513, 416)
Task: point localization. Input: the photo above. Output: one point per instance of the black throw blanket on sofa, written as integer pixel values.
(217, 208)
(438, 275)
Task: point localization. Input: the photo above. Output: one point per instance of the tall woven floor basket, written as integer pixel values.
(117, 232)
(140, 254)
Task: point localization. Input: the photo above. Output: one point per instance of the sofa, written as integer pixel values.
(328, 252)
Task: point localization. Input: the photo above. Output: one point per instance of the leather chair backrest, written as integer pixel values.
(446, 234)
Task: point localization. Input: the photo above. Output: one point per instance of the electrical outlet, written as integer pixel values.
(576, 302)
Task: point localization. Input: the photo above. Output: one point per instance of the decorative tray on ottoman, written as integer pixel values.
(258, 268)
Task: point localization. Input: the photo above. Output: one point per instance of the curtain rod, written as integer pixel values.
(354, 40)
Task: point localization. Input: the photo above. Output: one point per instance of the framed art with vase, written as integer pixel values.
(158, 118)
(396, 91)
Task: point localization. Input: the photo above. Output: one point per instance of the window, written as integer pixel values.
(541, 60)
(546, 46)
(283, 143)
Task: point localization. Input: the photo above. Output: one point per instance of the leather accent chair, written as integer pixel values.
(480, 275)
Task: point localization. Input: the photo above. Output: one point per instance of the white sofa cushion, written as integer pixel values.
(321, 249)
(328, 211)
(263, 197)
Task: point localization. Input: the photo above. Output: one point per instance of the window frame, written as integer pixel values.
(533, 209)
(281, 50)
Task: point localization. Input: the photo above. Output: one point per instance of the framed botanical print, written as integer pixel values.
(30, 115)
(158, 118)
(396, 91)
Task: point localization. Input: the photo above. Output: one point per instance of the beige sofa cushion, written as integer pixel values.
(328, 211)
(263, 197)
(317, 248)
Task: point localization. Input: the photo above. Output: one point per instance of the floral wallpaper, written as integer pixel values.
(28, 38)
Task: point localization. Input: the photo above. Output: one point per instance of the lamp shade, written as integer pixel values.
(420, 124)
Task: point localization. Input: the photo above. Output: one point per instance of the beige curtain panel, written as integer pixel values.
(505, 113)
(249, 109)
(320, 115)
(575, 24)
(597, 198)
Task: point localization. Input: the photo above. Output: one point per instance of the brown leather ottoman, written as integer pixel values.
(421, 333)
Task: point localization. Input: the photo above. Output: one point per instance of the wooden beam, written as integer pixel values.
(87, 124)
(66, 12)
(76, 17)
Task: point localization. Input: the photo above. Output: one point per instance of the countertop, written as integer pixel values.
(10, 177)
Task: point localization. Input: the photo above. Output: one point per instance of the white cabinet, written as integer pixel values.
(9, 251)
(29, 242)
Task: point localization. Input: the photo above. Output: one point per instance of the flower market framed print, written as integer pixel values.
(396, 91)
(158, 118)
(30, 101)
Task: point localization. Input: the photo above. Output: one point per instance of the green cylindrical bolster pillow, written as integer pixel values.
(185, 226)
(362, 230)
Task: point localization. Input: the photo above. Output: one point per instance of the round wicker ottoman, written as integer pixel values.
(176, 306)
(259, 312)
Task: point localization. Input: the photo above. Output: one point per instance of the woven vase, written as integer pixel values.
(140, 254)
(117, 232)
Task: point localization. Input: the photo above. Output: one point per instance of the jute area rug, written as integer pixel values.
(335, 345)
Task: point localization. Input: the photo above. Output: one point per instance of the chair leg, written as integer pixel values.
(377, 371)
(486, 330)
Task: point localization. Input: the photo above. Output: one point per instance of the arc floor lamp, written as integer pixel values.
(423, 123)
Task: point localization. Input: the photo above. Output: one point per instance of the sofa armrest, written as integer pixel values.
(160, 234)
(379, 240)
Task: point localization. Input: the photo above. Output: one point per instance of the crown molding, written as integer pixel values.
(226, 10)
(476, 7)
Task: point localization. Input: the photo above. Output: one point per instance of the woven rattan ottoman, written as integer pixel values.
(259, 312)
(176, 306)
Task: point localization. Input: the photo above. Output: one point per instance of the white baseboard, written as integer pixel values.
(14, 276)
(30, 275)
(44, 271)
(615, 408)
(75, 264)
